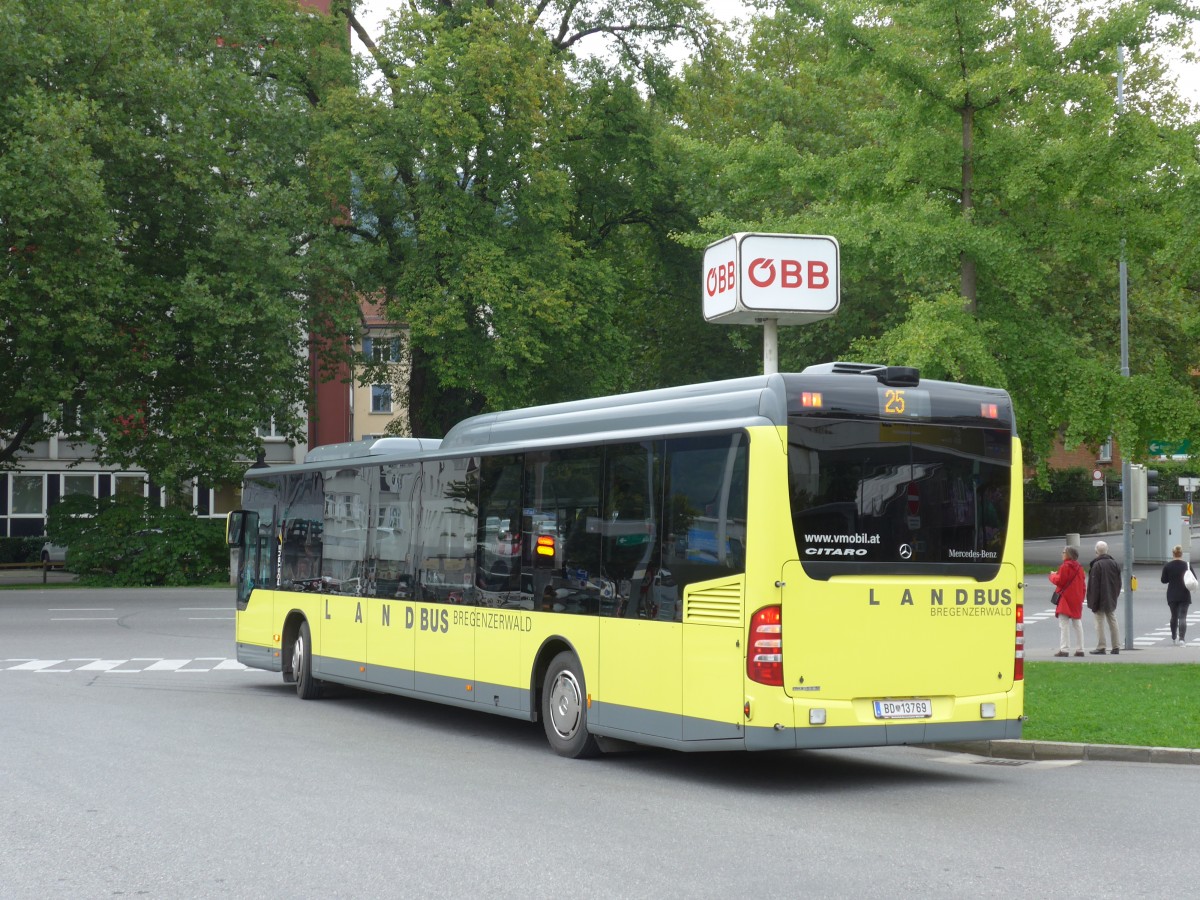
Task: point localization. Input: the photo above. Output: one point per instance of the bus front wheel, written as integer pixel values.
(307, 687)
(564, 709)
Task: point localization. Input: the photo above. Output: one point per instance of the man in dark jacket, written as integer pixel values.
(1103, 588)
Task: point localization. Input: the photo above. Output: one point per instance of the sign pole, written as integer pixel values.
(770, 346)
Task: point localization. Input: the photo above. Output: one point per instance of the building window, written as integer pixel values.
(226, 498)
(381, 349)
(72, 419)
(27, 495)
(381, 398)
(79, 485)
(268, 432)
(1106, 451)
(131, 486)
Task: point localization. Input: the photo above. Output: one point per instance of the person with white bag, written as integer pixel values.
(1180, 580)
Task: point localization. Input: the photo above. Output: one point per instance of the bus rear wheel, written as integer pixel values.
(564, 709)
(307, 687)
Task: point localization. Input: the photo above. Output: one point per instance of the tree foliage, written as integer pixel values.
(973, 164)
(128, 540)
(190, 192)
(166, 253)
(518, 202)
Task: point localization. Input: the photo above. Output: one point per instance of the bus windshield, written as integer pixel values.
(882, 497)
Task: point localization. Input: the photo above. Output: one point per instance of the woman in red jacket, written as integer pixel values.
(1069, 582)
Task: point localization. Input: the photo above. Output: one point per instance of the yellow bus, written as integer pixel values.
(823, 559)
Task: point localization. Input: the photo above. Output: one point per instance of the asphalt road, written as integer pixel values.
(139, 759)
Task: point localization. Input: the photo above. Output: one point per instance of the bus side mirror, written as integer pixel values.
(235, 527)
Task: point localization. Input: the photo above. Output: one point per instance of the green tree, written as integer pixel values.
(516, 203)
(634, 179)
(767, 120)
(981, 182)
(167, 254)
(129, 540)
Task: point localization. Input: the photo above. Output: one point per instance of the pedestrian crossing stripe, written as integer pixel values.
(1143, 641)
(135, 665)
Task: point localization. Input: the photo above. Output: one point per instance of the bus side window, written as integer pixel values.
(343, 533)
(562, 506)
(261, 498)
(499, 534)
(707, 480)
(449, 490)
(392, 546)
(302, 527)
(630, 529)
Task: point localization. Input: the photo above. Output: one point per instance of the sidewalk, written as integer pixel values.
(35, 577)
(1163, 655)
(1058, 750)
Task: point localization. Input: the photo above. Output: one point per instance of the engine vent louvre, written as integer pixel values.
(715, 605)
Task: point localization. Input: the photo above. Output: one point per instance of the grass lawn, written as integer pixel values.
(1113, 703)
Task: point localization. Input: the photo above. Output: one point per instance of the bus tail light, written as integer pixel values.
(1019, 650)
(764, 661)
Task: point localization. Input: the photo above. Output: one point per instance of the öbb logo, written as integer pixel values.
(788, 274)
(791, 273)
(720, 279)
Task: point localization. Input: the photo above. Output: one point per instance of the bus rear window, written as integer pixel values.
(880, 497)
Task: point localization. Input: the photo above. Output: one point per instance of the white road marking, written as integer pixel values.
(124, 666)
(35, 665)
(1154, 638)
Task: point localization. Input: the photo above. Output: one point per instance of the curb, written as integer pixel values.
(1058, 750)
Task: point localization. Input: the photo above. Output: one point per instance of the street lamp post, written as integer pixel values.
(1126, 466)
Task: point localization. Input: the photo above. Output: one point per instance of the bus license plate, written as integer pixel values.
(903, 709)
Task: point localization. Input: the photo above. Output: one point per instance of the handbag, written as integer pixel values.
(1057, 595)
(1189, 579)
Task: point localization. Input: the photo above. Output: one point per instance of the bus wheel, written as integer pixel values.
(307, 687)
(564, 709)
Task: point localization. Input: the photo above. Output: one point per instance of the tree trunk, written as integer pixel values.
(418, 389)
(965, 262)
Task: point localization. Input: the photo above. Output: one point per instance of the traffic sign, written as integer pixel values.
(1169, 448)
